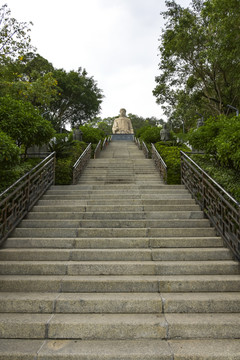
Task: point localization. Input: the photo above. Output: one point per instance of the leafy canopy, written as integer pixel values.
(199, 64)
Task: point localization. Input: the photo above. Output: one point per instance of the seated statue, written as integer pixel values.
(122, 125)
(164, 133)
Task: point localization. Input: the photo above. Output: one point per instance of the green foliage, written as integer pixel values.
(171, 156)
(91, 135)
(9, 152)
(14, 38)
(227, 178)
(68, 155)
(219, 137)
(13, 173)
(149, 134)
(63, 172)
(199, 70)
(78, 99)
(21, 121)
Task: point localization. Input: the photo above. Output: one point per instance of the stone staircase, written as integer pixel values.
(118, 267)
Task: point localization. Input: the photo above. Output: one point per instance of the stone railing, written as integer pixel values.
(19, 198)
(145, 150)
(81, 163)
(97, 149)
(220, 207)
(159, 163)
(138, 143)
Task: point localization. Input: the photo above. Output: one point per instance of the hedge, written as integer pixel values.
(172, 157)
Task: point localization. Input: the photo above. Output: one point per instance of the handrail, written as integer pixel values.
(145, 150)
(218, 205)
(138, 143)
(106, 142)
(20, 197)
(81, 163)
(97, 149)
(159, 163)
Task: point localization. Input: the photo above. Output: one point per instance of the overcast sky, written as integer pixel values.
(116, 41)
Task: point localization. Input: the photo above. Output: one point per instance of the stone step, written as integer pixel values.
(143, 349)
(120, 283)
(116, 208)
(227, 302)
(110, 202)
(116, 191)
(18, 302)
(210, 267)
(122, 187)
(174, 254)
(114, 243)
(83, 326)
(110, 223)
(112, 232)
(117, 196)
(120, 326)
(108, 303)
(50, 215)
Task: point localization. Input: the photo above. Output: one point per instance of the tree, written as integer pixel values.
(78, 99)
(22, 122)
(29, 78)
(14, 36)
(199, 51)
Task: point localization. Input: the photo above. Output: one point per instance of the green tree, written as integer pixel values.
(22, 122)
(199, 50)
(14, 36)
(78, 99)
(29, 78)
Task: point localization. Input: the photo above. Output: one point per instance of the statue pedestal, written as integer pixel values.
(125, 137)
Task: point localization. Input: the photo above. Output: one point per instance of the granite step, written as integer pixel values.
(73, 215)
(210, 267)
(120, 283)
(112, 232)
(111, 223)
(114, 243)
(119, 326)
(136, 254)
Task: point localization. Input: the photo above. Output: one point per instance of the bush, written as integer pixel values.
(171, 156)
(9, 152)
(11, 175)
(64, 164)
(63, 172)
(91, 135)
(219, 137)
(149, 134)
(227, 178)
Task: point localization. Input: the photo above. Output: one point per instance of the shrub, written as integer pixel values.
(91, 135)
(11, 175)
(149, 134)
(9, 152)
(171, 156)
(227, 178)
(219, 137)
(63, 172)
(64, 164)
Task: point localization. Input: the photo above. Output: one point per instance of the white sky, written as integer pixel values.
(116, 41)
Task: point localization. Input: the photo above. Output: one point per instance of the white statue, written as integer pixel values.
(122, 125)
